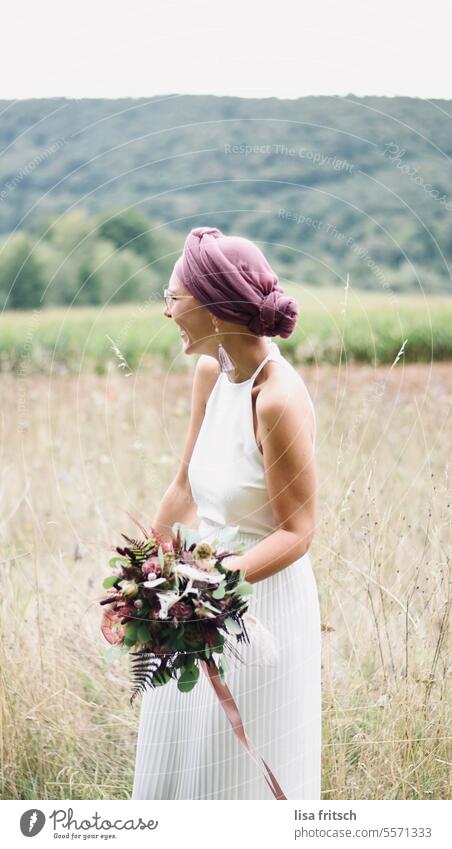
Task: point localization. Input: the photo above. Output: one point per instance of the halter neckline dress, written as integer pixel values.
(186, 748)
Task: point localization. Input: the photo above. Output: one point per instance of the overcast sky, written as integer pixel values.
(251, 48)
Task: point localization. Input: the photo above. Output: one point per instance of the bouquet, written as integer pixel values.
(174, 606)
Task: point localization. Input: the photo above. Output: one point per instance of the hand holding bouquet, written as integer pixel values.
(172, 606)
(175, 605)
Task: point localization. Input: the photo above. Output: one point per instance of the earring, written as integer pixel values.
(224, 359)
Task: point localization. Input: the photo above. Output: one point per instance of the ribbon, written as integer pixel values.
(225, 698)
(233, 714)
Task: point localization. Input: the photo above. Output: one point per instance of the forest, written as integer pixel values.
(97, 196)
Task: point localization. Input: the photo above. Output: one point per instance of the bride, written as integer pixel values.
(248, 465)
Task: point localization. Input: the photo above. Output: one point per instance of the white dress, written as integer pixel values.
(186, 748)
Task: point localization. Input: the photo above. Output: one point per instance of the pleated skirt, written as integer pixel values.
(186, 747)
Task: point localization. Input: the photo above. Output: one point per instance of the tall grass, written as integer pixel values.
(333, 326)
(79, 452)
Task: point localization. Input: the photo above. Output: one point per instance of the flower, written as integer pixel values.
(166, 600)
(155, 582)
(208, 564)
(129, 588)
(182, 610)
(203, 611)
(152, 564)
(199, 574)
(203, 551)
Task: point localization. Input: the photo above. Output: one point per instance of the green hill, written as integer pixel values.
(326, 185)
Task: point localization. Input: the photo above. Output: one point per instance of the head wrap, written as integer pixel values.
(231, 276)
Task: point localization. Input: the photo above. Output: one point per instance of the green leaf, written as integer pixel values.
(221, 671)
(143, 632)
(110, 581)
(118, 561)
(244, 588)
(188, 679)
(220, 591)
(131, 630)
(232, 626)
(228, 533)
(207, 650)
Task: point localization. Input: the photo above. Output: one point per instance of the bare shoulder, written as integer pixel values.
(206, 374)
(284, 398)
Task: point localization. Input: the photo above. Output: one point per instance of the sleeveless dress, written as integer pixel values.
(186, 748)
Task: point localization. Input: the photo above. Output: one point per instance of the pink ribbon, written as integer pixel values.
(233, 714)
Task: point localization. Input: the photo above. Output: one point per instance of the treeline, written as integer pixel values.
(328, 186)
(118, 257)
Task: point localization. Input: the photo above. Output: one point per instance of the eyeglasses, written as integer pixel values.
(169, 298)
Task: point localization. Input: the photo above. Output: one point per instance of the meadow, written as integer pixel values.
(334, 324)
(81, 447)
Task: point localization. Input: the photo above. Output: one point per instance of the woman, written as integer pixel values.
(248, 463)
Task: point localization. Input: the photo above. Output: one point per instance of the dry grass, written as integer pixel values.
(78, 453)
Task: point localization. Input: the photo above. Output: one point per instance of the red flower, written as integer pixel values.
(182, 610)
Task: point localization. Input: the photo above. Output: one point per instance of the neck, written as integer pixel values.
(246, 354)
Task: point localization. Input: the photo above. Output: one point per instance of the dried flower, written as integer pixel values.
(203, 551)
(129, 589)
(182, 610)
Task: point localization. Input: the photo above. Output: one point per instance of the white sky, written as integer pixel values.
(249, 48)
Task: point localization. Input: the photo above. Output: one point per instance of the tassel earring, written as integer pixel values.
(224, 359)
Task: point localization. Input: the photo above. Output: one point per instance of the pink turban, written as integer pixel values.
(230, 276)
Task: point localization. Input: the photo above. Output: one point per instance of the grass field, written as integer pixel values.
(334, 324)
(80, 451)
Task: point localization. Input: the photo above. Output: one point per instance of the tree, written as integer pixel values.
(22, 276)
(130, 230)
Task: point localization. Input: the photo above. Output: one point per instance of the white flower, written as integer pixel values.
(166, 601)
(154, 583)
(212, 577)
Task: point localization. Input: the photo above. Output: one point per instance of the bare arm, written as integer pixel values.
(287, 425)
(177, 504)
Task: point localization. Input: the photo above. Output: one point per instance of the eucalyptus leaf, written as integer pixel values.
(188, 535)
(110, 581)
(220, 591)
(117, 561)
(232, 626)
(188, 679)
(228, 533)
(244, 588)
